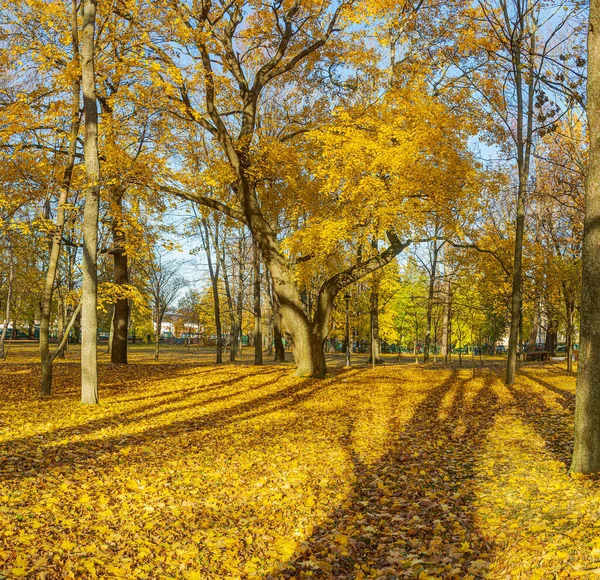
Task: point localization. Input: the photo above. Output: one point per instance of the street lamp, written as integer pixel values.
(347, 299)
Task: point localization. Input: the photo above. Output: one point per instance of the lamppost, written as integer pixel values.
(347, 299)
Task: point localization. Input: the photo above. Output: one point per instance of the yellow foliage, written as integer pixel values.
(189, 471)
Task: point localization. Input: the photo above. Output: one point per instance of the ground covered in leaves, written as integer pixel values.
(192, 471)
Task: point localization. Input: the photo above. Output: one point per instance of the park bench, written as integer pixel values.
(537, 355)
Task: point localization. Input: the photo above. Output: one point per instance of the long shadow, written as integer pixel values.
(23, 451)
(567, 398)
(66, 376)
(183, 393)
(149, 411)
(552, 425)
(412, 511)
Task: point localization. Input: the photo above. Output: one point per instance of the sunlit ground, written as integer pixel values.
(186, 470)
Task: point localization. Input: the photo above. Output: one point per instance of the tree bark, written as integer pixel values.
(157, 329)
(374, 341)
(586, 454)
(258, 351)
(11, 276)
(277, 331)
(430, 295)
(551, 336)
(214, 280)
(89, 315)
(230, 305)
(61, 326)
(111, 334)
(535, 325)
(270, 332)
(55, 248)
(447, 322)
(570, 315)
(118, 354)
(524, 139)
(240, 296)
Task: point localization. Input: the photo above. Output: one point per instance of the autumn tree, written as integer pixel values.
(163, 284)
(519, 40)
(229, 35)
(586, 454)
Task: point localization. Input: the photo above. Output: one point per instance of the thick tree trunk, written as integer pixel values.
(258, 352)
(46, 306)
(374, 341)
(551, 336)
(586, 454)
(118, 353)
(277, 331)
(308, 350)
(11, 277)
(89, 316)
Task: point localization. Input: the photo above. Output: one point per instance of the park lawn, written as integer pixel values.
(187, 470)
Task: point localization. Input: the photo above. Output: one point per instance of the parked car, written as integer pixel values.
(501, 349)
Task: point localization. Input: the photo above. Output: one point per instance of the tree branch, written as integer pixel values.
(205, 201)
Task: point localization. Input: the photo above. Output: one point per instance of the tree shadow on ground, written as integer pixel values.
(23, 460)
(21, 381)
(553, 425)
(565, 398)
(413, 510)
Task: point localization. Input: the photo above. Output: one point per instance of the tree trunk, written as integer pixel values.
(89, 315)
(61, 326)
(524, 140)
(111, 334)
(118, 354)
(432, 276)
(374, 341)
(416, 337)
(46, 306)
(269, 337)
(230, 305)
(158, 324)
(570, 314)
(515, 319)
(214, 280)
(240, 296)
(551, 336)
(11, 276)
(307, 348)
(535, 325)
(446, 324)
(258, 352)
(277, 331)
(586, 454)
